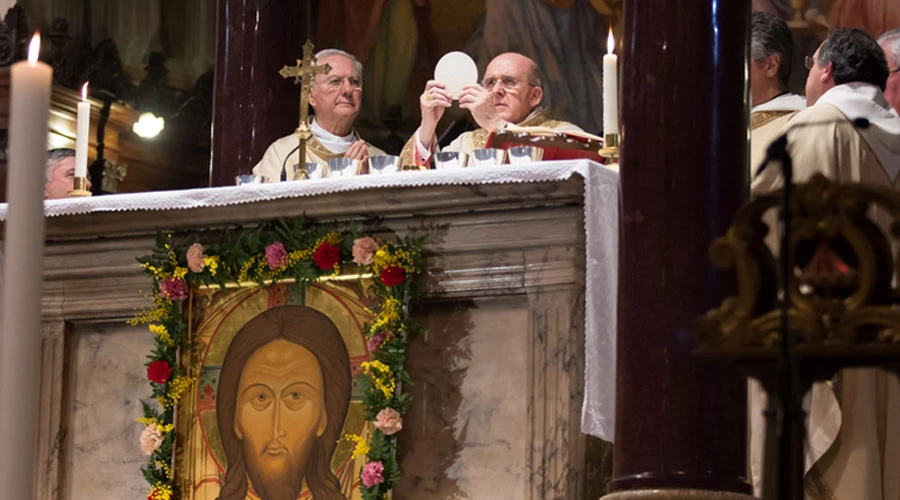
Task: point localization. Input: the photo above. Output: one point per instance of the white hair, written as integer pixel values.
(338, 52)
(892, 40)
(55, 157)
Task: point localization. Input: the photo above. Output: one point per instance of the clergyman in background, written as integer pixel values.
(336, 98)
(849, 133)
(771, 49)
(60, 173)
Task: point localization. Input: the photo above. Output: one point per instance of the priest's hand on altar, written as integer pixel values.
(359, 151)
(433, 102)
(480, 102)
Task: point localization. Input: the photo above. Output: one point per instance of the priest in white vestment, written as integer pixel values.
(853, 449)
(510, 95)
(771, 53)
(771, 50)
(336, 98)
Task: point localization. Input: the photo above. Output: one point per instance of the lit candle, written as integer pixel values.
(20, 339)
(81, 133)
(610, 87)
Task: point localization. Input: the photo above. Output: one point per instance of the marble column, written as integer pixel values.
(253, 104)
(680, 422)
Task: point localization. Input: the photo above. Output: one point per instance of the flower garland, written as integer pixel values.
(282, 249)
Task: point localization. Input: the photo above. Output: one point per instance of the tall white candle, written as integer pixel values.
(610, 87)
(20, 339)
(82, 133)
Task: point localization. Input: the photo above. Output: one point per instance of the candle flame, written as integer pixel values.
(610, 42)
(34, 49)
(84, 91)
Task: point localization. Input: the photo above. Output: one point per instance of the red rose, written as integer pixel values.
(327, 255)
(159, 371)
(392, 275)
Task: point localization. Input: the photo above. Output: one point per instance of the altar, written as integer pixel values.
(514, 378)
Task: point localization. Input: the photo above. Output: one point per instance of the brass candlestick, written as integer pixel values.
(610, 147)
(79, 188)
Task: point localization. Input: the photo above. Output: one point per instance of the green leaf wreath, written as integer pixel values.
(283, 249)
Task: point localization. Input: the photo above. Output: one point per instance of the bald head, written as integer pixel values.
(518, 61)
(516, 83)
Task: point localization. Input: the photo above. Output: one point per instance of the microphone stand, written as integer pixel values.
(785, 405)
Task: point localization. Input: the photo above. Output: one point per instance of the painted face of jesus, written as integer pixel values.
(279, 414)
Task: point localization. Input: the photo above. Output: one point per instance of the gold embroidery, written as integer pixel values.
(406, 155)
(479, 138)
(761, 118)
(816, 487)
(541, 119)
(317, 148)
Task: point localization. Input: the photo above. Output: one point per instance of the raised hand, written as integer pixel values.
(433, 101)
(480, 103)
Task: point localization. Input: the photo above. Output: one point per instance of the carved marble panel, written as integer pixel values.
(105, 381)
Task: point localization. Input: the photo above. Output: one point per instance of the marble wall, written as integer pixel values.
(105, 382)
(464, 434)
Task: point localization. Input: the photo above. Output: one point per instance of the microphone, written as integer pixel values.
(778, 148)
(284, 163)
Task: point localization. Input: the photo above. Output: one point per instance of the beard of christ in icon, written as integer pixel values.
(287, 386)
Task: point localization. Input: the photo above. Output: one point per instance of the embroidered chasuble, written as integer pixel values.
(766, 121)
(853, 447)
(321, 147)
(476, 139)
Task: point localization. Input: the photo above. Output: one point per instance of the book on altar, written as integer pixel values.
(555, 144)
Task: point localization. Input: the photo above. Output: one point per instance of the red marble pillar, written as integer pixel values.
(680, 422)
(253, 104)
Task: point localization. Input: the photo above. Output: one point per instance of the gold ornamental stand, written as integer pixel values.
(303, 73)
(79, 188)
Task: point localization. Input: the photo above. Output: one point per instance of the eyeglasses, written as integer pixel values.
(508, 82)
(335, 83)
(809, 62)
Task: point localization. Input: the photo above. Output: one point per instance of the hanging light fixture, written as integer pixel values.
(149, 125)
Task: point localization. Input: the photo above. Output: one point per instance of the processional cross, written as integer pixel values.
(303, 73)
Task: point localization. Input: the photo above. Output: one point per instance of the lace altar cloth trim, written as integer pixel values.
(601, 218)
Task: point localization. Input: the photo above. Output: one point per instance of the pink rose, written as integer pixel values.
(372, 474)
(276, 255)
(363, 250)
(151, 439)
(195, 258)
(389, 421)
(173, 289)
(377, 340)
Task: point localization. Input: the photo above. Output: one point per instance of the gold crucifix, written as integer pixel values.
(303, 73)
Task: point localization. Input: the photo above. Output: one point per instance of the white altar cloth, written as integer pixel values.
(601, 219)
